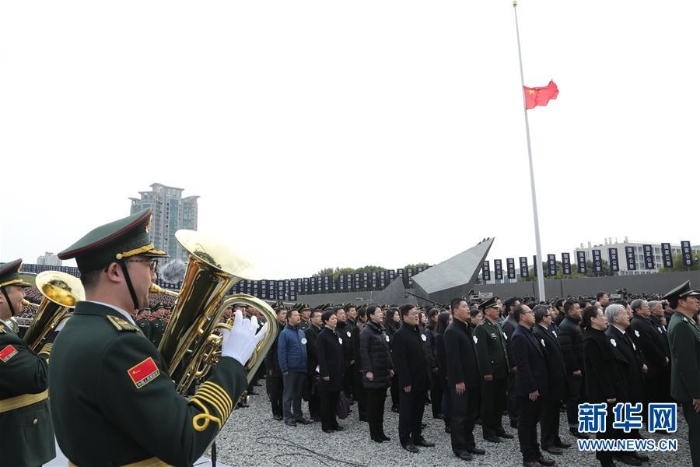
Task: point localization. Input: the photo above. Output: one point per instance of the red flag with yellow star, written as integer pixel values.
(541, 95)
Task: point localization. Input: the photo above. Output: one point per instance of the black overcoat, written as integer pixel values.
(462, 364)
(532, 368)
(375, 356)
(409, 358)
(555, 363)
(330, 360)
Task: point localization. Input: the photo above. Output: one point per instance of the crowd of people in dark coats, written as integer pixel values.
(472, 364)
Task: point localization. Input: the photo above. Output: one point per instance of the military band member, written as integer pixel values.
(26, 432)
(110, 388)
(143, 322)
(684, 339)
(157, 324)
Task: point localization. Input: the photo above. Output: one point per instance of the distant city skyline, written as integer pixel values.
(171, 212)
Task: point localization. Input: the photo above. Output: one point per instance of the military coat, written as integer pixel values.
(157, 328)
(684, 339)
(145, 327)
(114, 403)
(490, 342)
(26, 432)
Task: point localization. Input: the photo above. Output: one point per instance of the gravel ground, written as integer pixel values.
(253, 438)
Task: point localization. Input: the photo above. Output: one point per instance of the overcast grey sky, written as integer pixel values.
(321, 134)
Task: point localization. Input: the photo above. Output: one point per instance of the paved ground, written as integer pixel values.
(253, 438)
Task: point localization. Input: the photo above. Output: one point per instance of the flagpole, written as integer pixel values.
(538, 265)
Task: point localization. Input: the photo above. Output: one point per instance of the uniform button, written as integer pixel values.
(35, 421)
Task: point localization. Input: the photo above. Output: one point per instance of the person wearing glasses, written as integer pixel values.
(531, 385)
(110, 388)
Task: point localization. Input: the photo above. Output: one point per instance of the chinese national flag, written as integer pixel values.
(541, 95)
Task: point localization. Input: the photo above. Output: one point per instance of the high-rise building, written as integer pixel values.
(171, 212)
(49, 259)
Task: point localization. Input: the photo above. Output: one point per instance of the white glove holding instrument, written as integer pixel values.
(239, 343)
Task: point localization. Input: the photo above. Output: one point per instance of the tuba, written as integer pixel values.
(61, 292)
(190, 345)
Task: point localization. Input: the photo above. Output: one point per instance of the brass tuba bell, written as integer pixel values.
(189, 344)
(61, 292)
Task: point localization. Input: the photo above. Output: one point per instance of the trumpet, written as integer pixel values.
(27, 304)
(160, 290)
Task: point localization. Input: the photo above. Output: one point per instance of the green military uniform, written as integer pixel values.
(490, 345)
(684, 341)
(119, 393)
(112, 398)
(491, 349)
(145, 326)
(157, 328)
(26, 431)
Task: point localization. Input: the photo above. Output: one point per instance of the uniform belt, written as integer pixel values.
(150, 462)
(22, 401)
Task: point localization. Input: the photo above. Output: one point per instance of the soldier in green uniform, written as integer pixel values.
(157, 324)
(305, 312)
(112, 398)
(143, 322)
(490, 343)
(26, 432)
(684, 340)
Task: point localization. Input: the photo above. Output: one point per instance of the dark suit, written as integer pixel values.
(462, 367)
(330, 363)
(274, 381)
(121, 398)
(663, 393)
(27, 437)
(312, 333)
(549, 418)
(633, 375)
(653, 346)
(605, 366)
(412, 370)
(508, 326)
(570, 338)
(531, 376)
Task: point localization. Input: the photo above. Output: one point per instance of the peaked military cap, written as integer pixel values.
(120, 239)
(681, 291)
(304, 307)
(490, 303)
(9, 274)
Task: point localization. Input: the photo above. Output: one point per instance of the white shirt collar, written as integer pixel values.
(122, 312)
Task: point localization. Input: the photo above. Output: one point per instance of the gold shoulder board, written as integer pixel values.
(122, 324)
(2, 329)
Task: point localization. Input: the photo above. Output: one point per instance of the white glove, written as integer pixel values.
(240, 342)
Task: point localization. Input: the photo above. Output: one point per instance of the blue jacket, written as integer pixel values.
(291, 350)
